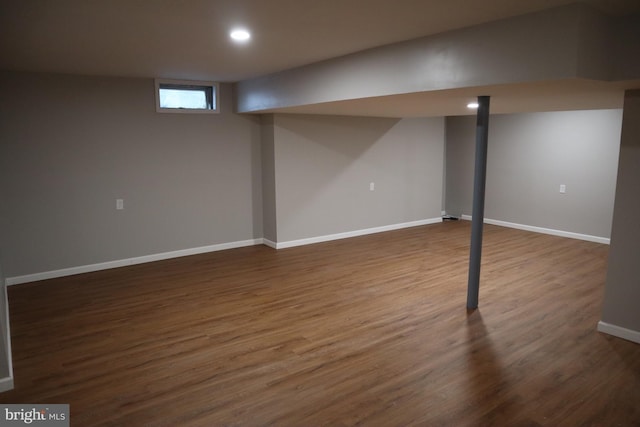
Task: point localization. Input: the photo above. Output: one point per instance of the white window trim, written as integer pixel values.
(216, 95)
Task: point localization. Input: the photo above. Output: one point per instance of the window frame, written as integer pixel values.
(215, 87)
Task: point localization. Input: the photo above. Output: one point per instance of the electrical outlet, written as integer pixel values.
(372, 186)
(119, 204)
(563, 188)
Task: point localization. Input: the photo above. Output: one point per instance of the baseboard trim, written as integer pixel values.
(129, 261)
(355, 233)
(543, 230)
(6, 384)
(619, 331)
(270, 243)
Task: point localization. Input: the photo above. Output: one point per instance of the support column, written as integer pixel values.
(480, 178)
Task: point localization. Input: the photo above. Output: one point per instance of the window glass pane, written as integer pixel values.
(180, 98)
(184, 96)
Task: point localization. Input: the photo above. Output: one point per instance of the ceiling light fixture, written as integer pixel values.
(240, 35)
(472, 105)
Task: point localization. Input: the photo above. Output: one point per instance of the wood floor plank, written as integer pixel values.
(364, 331)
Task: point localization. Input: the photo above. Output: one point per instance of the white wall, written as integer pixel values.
(71, 145)
(529, 157)
(324, 166)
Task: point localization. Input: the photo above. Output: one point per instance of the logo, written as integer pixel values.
(36, 415)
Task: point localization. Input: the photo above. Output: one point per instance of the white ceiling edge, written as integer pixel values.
(190, 39)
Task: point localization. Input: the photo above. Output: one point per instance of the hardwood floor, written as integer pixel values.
(365, 331)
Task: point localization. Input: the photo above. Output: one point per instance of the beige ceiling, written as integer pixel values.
(188, 39)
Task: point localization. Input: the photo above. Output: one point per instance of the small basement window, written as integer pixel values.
(179, 96)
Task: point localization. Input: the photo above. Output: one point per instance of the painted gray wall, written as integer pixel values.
(626, 49)
(460, 149)
(324, 165)
(570, 42)
(622, 291)
(268, 180)
(529, 156)
(4, 334)
(71, 145)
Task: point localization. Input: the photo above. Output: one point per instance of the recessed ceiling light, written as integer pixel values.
(240, 35)
(472, 105)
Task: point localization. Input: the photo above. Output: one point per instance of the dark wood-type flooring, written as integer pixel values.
(364, 331)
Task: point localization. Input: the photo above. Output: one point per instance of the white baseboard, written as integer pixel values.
(270, 243)
(16, 280)
(6, 384)
(129, 261)
(619, 331)
(277, 245)
(543, 230)
(356, 233)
